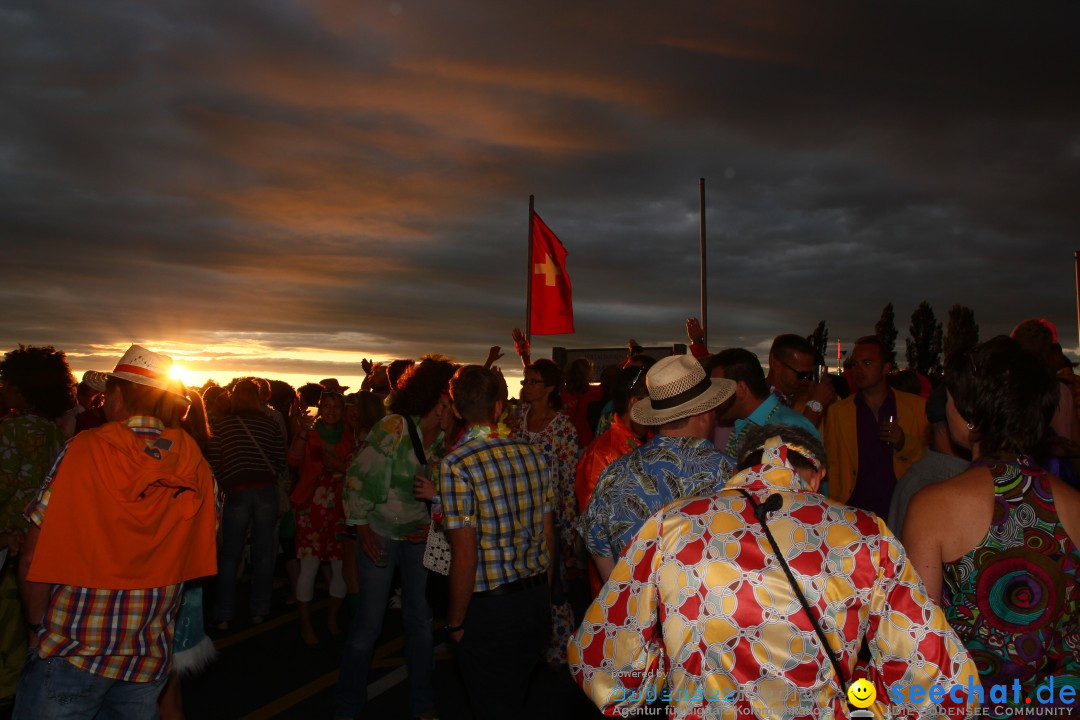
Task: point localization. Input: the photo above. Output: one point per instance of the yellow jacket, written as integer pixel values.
(842, 443)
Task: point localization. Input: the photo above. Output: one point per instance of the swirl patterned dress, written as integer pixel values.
(1014, 599)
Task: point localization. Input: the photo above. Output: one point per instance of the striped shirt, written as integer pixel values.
(119, 634)
(246, 450)
(502, 488)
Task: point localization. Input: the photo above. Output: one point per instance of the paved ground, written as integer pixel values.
(266, 671)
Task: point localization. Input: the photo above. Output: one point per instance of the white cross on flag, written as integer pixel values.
(552, 307)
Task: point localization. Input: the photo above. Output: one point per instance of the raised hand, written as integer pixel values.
(493, 354)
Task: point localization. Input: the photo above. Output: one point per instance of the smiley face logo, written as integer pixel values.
(862, 694)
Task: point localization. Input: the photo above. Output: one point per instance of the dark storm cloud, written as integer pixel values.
(354, 176)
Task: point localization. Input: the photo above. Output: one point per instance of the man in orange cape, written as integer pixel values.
(126, 515)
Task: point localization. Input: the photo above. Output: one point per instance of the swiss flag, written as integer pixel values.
(552, 307)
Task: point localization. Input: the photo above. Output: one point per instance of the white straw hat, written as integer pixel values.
(678, 388)
(146, 367)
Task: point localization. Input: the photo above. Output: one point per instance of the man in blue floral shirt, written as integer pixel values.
(680, 461)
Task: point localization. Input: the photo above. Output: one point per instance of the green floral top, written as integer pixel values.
(28, 446)
(379, 482)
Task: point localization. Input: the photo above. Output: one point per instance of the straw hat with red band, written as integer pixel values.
(146, 367)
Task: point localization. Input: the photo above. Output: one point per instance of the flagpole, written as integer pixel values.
(1076, 268)
(704, 289)
(529, 276)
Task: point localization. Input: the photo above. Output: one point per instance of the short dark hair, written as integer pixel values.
(142, 399)
(750, 450)
(475, 390)
(877, 342)
(784, 345)
(418, 390)
(741, 365)
(246, 398)
(309, 394)
(552, 376)
(1034, 336)
(1007, 393)
(42, 377)
(579, 374)
(629, 383)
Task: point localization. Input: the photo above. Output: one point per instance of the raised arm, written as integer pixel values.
(522, 346)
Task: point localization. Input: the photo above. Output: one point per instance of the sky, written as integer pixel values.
(283, 188)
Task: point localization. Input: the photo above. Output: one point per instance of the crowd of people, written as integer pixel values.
(696, 533)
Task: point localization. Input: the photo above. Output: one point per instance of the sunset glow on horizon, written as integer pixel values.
(282, 189)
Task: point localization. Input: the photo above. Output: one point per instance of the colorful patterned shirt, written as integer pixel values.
(1015, 599)
(501, 487)
(559, 445)
(120, 634)
(638, 484)
(699, 610)
(29, 445)
(379, 482)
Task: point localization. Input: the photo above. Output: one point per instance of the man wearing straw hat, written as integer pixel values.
(680, 460)
(124, 517)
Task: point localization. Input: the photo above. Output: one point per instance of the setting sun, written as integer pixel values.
(181, 373)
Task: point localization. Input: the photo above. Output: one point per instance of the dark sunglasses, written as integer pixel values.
(801, 375)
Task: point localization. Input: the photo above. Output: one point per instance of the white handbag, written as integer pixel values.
(437, 551)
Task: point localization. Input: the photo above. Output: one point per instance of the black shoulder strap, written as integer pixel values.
(417, 443)
(759, 512)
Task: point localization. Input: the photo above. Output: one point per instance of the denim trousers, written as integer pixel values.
(367, 625)
(258, 508)
(54, 689)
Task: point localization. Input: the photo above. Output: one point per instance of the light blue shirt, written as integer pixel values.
(770, 412)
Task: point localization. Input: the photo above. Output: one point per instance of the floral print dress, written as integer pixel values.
(320, 517)
(559, 444)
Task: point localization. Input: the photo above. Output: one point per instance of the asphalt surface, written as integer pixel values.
(266, 671)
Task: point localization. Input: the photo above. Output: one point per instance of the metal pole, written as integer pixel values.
(529, 276)
(1076, 268)
(704, 285)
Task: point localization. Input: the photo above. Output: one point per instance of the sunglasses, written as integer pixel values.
(800, 374)
(532, 382)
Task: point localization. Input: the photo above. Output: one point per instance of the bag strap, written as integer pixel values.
(774, 502)
(258, 447)
(417, 444)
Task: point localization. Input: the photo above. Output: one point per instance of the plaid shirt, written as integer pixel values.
(120, 634)
(502, 488)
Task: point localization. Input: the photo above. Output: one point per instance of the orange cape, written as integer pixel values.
(124, 515)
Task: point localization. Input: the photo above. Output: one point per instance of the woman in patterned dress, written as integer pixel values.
(997, 543)
(321, 453)
(543, 425)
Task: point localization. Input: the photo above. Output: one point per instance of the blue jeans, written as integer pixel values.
(367, 625)
(248, 506)
(54, 689)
